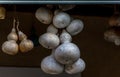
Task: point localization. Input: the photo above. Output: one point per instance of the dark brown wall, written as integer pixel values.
(101, 57)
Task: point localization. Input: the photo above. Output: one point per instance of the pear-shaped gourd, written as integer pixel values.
(66, 7)
(44, 15)
(78, 66)
(21, 35)
(67, 53)
(65, 37)
(49, 40)
(75, 27)
(51, 66)
(25, 44)
(52, 29)
(10, 47)
(61, 20)
(12, 35)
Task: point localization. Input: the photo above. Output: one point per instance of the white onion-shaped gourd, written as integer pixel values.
(10, 47)
(12, 35)
(66, 7)
(52, 29)
(44, 15)
(21, 35)
(75, 27)
(61, 20)
(67, 53)
(78, 66)
(26, 45)
(49, 40)
(51, 66)
(65, 37)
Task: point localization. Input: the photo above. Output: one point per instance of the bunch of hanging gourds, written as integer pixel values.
(11, 46)
(112, 34)
(65, 54)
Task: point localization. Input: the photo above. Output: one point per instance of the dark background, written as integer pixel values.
(101, 57)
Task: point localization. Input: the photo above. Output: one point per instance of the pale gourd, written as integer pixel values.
(61, 20)
(77, 67)
(44, 15)
(50, 66)
(52, 29)
(67, 53)
(21, 35)
(26, 45)
(12, 35)
(75, 27)
(10, 47)
(49, 40)
(65, 37)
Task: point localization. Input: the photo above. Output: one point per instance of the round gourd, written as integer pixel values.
(75, 27)
(49, 40)
(51, 66)
(10, 47)
(26, 45)
(52, 29)
(61, 20)
(77, 67)
(67, 53)
(44, 15)
(65, 37)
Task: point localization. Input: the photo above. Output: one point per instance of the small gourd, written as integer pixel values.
(77, 67)
(67, 52)
(25, 44)
(52, 29)
(65, 37)
(10, 47)
(61, 20)
(12, 35)
(75, 27)
(49, 40)
(44, 15)
(50, 66)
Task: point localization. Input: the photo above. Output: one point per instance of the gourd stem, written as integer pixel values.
(14, 21)
(17, 26)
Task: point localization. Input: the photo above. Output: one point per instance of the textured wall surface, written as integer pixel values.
(101, 57)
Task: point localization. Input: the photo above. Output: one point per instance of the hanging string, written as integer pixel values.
(14, 23)
(116, 9)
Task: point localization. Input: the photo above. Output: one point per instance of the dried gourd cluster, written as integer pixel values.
(112, 34)
(65, 55)
(11, 46)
